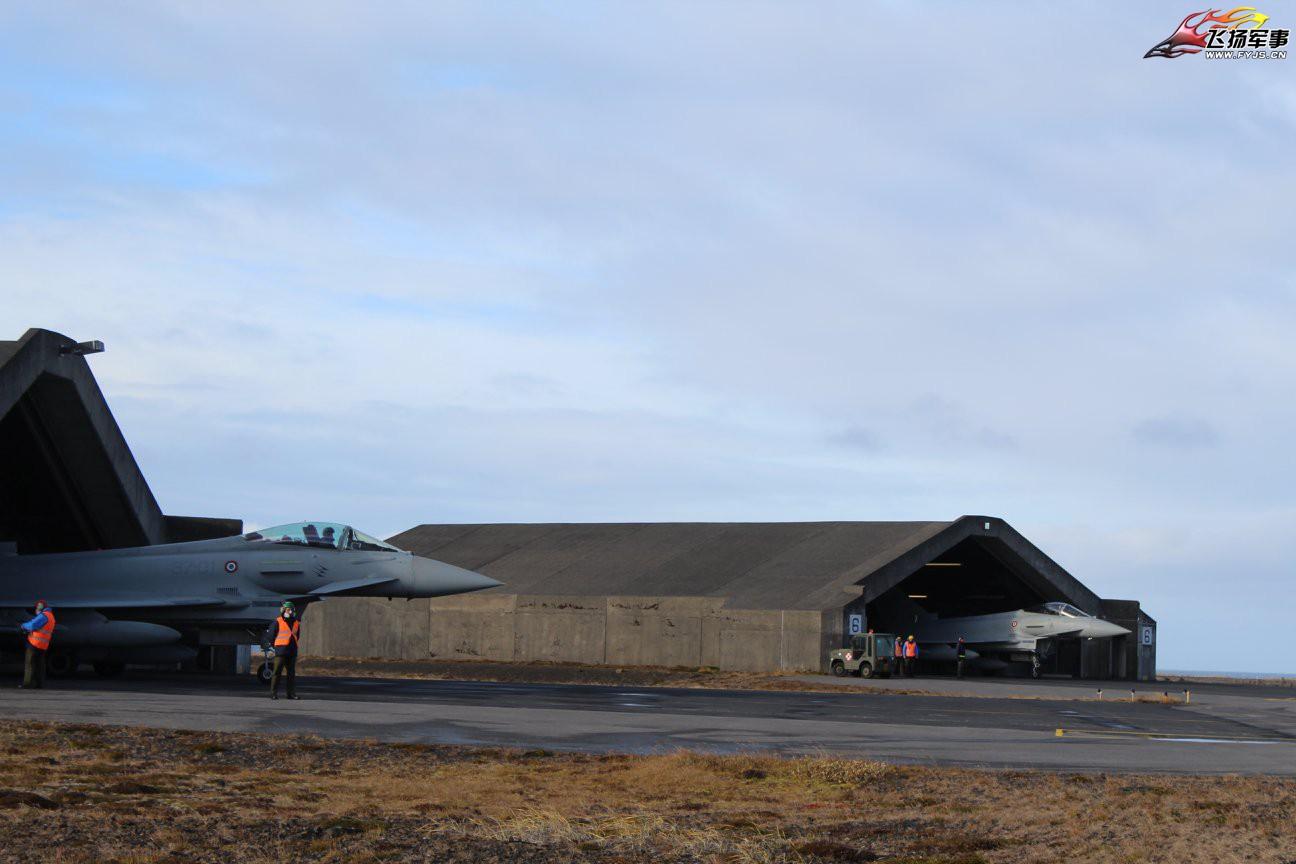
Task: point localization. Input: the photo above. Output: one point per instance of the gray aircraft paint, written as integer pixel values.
(1004, 634)
(117, 601)
(942, 652)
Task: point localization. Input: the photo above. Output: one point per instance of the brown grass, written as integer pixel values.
(153, 796)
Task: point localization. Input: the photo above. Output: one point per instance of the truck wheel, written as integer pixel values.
(839, 669)
(108, 669)
(264, 673)
(866, 670)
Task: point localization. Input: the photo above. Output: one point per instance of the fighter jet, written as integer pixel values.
(157, 604)
(1022, 635)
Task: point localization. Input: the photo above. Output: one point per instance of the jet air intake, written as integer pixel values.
(114, 634)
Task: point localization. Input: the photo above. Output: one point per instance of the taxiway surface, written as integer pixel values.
(1222, 733)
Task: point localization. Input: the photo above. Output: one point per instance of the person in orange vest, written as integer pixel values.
(910, 655)
(40, 632)
(899, 656)
(284, 633)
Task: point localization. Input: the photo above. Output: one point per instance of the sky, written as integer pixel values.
(443, 262)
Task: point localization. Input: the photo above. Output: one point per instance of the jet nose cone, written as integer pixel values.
(431, 578)
(1100, 629)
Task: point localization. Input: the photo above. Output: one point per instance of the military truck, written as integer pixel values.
(868, 654)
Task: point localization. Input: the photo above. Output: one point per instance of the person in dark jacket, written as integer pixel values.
(283, 633)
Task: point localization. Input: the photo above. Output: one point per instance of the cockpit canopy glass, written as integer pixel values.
(360, 541)
(1057, 607)
(321, 535)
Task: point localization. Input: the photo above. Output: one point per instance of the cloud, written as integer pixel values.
(1176, 432)
(857, 438)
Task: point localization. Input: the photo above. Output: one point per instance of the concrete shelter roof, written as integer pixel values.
(751, 565)
(770, 565)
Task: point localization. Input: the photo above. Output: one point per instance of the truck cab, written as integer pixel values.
(867, 655)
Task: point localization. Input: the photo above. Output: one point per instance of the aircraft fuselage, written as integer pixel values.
(155, 595)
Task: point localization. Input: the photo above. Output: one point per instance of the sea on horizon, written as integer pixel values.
(1207, 673)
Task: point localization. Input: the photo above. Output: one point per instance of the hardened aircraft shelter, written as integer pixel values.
(744, 596)
(68, 481)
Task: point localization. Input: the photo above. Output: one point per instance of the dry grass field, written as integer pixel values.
(143, 796)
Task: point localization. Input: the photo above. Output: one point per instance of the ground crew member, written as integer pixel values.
(899, 655)
(961, 653)
(285, 632)
(910, 655)
(40, 631)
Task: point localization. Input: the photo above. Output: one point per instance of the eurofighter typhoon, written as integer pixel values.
(1025, 635)
(156, 604)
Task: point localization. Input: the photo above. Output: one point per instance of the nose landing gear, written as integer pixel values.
(266, 670)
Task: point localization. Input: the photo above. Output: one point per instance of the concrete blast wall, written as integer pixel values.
(629, 631)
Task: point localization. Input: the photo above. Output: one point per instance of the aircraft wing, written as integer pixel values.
(1079, 628)
(116, 602)
(351, 585)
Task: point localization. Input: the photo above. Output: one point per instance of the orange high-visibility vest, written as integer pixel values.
(287, 632)
(898, 648)
(911, 649)
(40, 639)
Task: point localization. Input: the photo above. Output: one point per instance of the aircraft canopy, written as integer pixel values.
(1057, 607)
(323, 535)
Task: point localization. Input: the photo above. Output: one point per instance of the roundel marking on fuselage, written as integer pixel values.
(232, 567)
